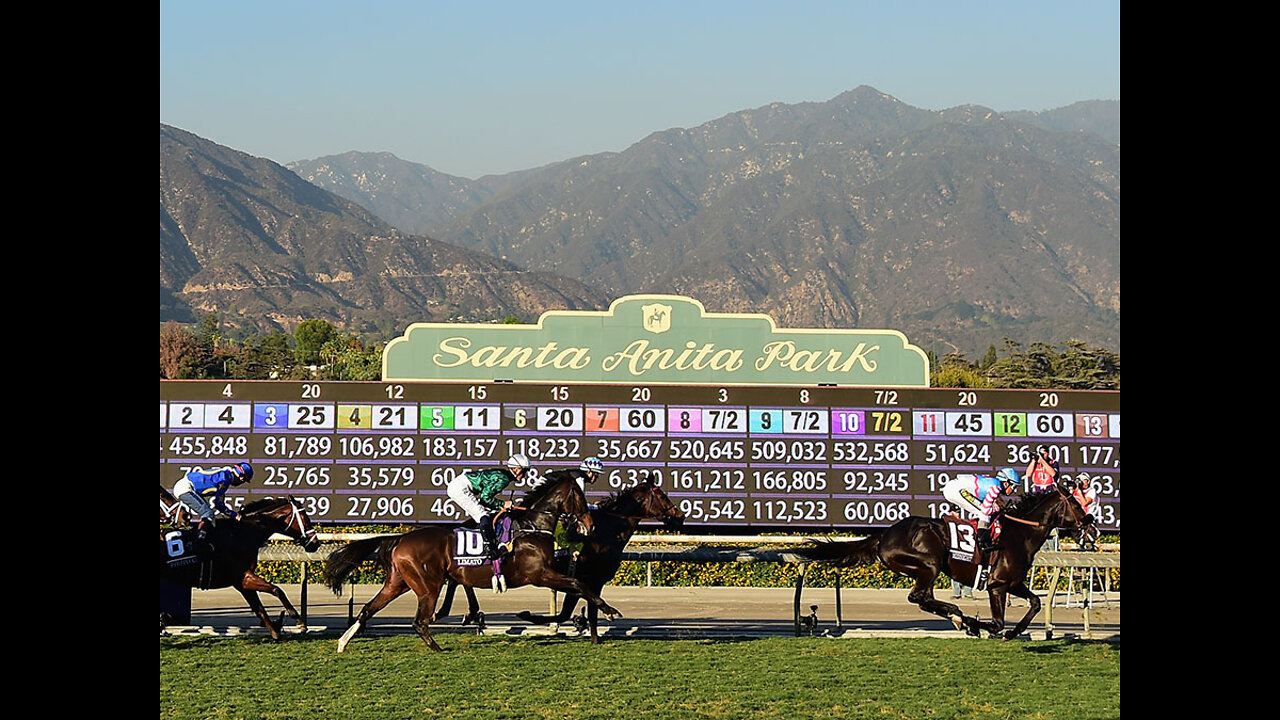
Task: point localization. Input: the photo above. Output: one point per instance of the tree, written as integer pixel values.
(348, 359)
(955, 371)
(989, 359)
(177, 348)
(309, 337)
(1042, 366)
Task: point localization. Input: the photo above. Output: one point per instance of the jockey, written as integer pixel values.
(981, 495)
(195, 486)
(588, 472)
(476, 492)
(1043, 470)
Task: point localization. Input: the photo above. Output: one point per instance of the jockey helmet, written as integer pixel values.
(592, 465)
(518, 460)
(245, 472)
(1008, 475)
(1083, 479)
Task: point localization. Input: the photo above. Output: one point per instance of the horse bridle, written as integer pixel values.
(308, 533)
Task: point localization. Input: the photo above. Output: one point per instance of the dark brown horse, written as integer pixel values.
(234, 556)
(422, 559)
(616, 519)
(920, 548)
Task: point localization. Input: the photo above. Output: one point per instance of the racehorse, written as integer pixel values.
(421, 560)
(234, 556)
(920, 548)
(616, 519)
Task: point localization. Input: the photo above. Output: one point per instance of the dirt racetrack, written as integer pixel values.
(667, 612)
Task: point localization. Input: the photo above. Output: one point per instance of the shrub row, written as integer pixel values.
(688, 574)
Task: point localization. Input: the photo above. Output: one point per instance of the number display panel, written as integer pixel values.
(733, 458)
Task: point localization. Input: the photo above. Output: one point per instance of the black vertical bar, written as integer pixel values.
(302, 596)
(839, 616)
(799, 587)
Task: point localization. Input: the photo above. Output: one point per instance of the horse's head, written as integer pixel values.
(1086, 534)
(1047, 510)
(1064, 510)
(561, 496)
(656, 505)
(284, 516)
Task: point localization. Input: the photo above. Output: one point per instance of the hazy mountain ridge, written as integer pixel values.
(248, 238)
(958, 227)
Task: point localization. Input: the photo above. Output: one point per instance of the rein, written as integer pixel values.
(1032, 523)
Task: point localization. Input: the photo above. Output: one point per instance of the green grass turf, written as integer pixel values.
(482, 677)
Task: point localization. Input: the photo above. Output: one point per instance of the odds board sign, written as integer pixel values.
(748, 427)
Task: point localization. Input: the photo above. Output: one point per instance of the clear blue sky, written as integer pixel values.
(474, 88)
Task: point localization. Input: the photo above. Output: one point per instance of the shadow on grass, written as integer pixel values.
(1050, 647)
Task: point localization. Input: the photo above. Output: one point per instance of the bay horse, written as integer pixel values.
(919, 548)
(234, 556)
(421, 560)
(616, 519)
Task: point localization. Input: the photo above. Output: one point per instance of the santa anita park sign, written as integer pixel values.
(655, 339)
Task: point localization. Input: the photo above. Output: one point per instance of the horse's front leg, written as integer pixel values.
(566, 611)
(592, 618)
(1033, 601)
(257, 584)
(573, 586)
(255, 604)
(998, 595)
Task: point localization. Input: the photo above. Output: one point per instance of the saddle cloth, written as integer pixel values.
(468, 544)
(178, 548)
(962, 535)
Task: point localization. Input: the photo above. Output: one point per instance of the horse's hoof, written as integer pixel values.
(957, 621)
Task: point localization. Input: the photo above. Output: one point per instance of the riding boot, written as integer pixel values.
(202, 536)
(490, 535)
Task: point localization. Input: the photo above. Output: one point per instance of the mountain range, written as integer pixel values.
(958, 227)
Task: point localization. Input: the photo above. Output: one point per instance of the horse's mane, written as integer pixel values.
(537, 494)
(1029, 503)
(263, 504)
(614, 498)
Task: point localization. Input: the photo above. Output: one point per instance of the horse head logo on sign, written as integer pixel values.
(657, 317)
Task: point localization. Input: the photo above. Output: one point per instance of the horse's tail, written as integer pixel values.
(844, 552)
(343, 561)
